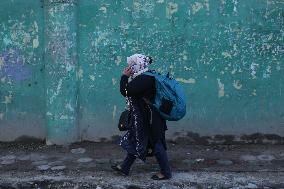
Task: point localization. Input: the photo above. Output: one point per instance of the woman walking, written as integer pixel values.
(146, 134)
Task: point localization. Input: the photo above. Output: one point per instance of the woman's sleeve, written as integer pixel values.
(137, 86)
(123, 84)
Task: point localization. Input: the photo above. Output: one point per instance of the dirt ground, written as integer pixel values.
(26, 165)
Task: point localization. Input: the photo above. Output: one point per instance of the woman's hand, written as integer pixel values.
(127, 71)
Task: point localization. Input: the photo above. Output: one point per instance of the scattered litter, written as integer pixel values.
(84, 160)
(264, 157)
(251, 186)
(199, 160)
(78, 151)
(57, 168)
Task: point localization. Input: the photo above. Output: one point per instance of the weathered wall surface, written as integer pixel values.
(228, 55)
(22, 91)
(61, 68)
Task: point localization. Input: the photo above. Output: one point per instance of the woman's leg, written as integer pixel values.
(162, 158)
(127, 163)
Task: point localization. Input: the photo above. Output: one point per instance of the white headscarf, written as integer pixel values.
(139, 64)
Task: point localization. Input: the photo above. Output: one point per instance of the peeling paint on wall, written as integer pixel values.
(92, 77)
(171, 9)
(62, 71)
(197, 6)
(8, 99)
(237, 84)
(235, 6)
(80, 73)
(35, 43)
(144, 7)
(253, 68)
(21, 70)
(204, 44)
(267, 72)
(254, 92)
(221, 86)
(113, 81)
(226, 55)
(188, 81)
(103, 9)
(118, 60)
(56, 92)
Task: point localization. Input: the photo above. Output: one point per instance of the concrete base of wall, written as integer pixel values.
(24, 125)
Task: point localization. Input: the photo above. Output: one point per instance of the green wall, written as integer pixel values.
(61, 68)
(227, 54)
(22, 86)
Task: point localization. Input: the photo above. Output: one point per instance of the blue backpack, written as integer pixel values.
(170, 98)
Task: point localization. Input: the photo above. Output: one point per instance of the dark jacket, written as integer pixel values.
(147, 125)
